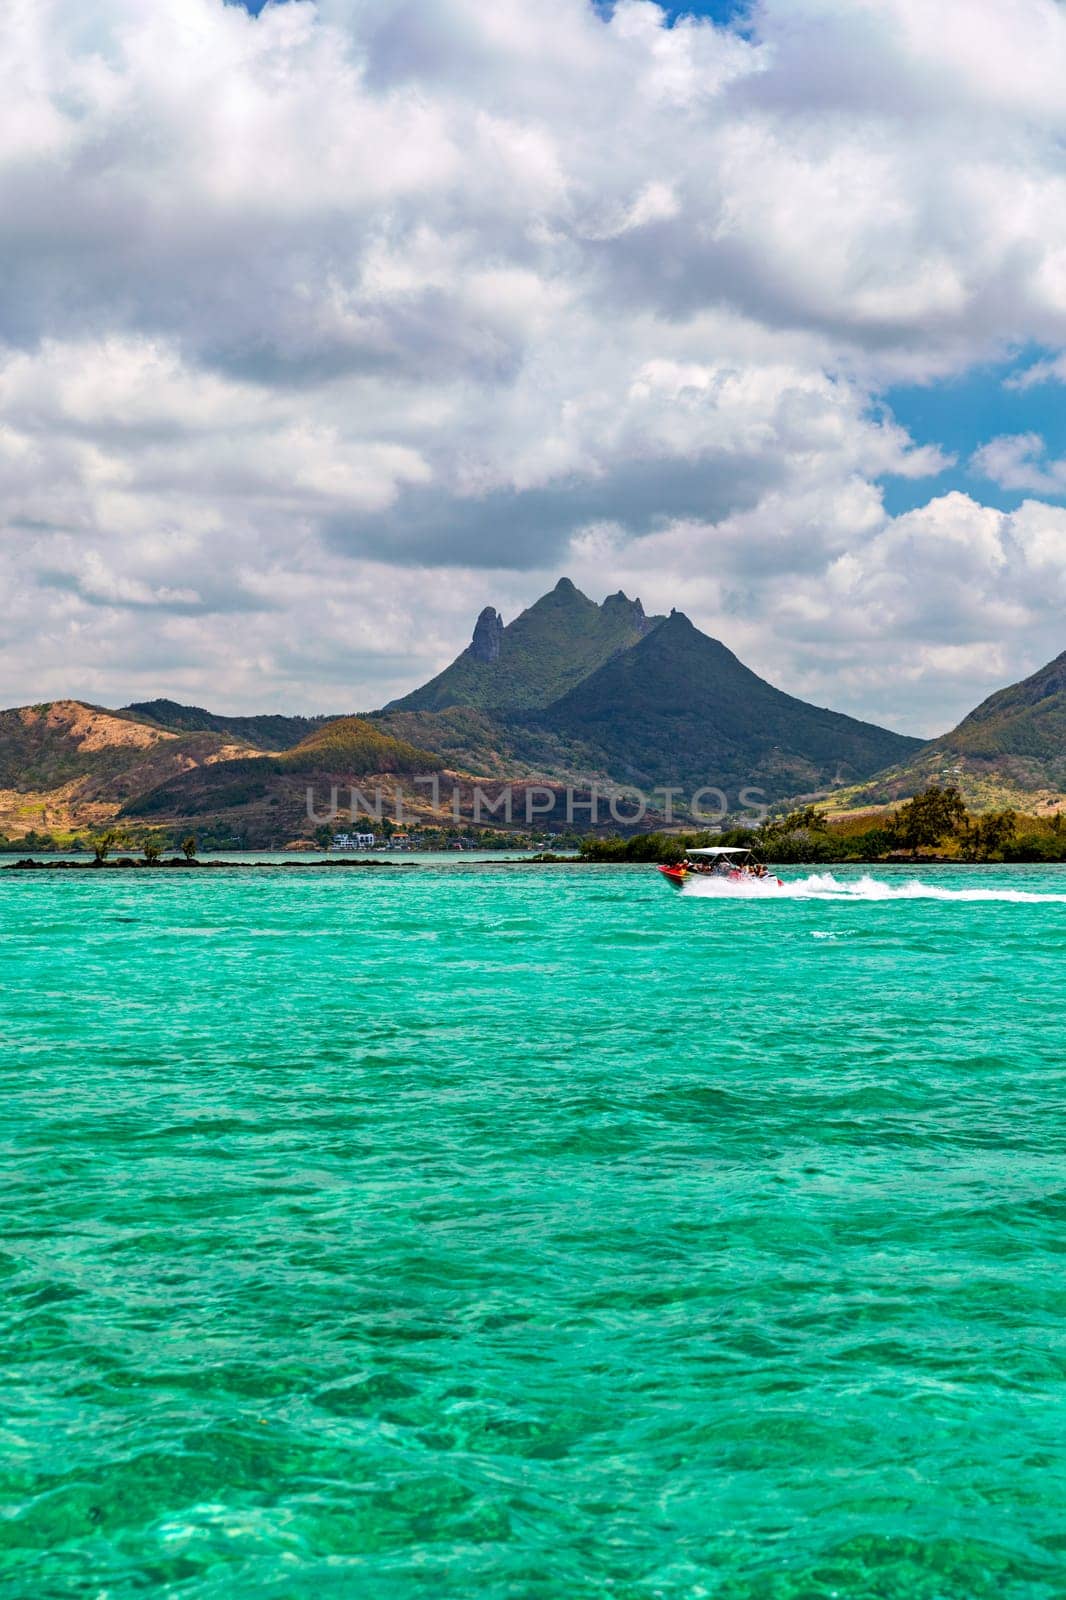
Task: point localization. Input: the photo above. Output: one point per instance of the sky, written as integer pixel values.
(325, 324)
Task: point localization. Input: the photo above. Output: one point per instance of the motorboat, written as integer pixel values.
(723, 864)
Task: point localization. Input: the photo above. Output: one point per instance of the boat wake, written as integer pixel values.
(824, 886)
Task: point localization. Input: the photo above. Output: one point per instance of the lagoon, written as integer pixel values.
(483, 1230)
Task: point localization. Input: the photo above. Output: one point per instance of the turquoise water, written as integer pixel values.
(488, 1231)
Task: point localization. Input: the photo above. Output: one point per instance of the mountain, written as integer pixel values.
(680, 708)
(570, 692)
(1011, 750)
(672, 707)
(536, 658)
(263, 732)
(493, 743)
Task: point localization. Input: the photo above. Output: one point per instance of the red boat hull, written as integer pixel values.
(677, 875)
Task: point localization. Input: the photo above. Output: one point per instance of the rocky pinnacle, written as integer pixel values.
(488, 636)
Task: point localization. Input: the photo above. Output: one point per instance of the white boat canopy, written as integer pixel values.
(722, 850)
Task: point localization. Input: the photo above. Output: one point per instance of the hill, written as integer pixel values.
(352, 745)
(259, 798)
(66, 764)
(270, 732)
(536, 658)
(680, 708)
(1010, 750)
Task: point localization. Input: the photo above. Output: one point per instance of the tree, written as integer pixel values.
(998, 829)
(810, 818)
(102, 845)
(931, 816)
(868, 846)
(800, 836)
(989, 835)
(152, 848)
(188, 847)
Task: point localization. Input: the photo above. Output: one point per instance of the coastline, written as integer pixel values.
(179, 864)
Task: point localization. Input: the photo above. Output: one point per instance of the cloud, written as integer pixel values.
(1020, 461)
(321, 329)
(1051, 371)
(905, 615)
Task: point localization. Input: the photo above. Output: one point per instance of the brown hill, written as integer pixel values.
(67, 765)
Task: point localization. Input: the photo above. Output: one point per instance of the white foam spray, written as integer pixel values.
(824, 886)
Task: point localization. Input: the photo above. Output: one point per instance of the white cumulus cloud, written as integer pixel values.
(324, 328)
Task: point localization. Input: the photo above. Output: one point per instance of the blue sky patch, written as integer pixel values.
(719, 11)
(965, 413)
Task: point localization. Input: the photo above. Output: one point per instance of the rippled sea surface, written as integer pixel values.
(495, 1231)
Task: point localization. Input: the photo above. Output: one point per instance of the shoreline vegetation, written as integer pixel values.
(934, 827)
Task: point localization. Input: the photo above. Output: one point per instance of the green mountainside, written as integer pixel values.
(464, 738)
(536, 658)
(1010, 750)
(680, 708)
(1028, 719)
(264, 732)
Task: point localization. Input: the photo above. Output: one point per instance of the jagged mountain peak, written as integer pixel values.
(620, 601)
(543, 652)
